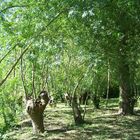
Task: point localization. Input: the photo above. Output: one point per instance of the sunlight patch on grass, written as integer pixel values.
(103, 124)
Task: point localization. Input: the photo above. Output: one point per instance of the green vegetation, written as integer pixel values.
(101, 124)
(81, 53)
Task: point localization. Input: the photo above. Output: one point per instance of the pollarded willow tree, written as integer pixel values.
(39, 33)
(107, 32)
(27, 25)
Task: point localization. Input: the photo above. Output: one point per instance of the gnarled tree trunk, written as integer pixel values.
(76, 111)
(75, 107)
(35, 109)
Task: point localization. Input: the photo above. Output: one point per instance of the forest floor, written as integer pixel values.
(102, 124)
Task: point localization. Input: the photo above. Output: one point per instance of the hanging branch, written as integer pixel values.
(2, 82)
(8, 52)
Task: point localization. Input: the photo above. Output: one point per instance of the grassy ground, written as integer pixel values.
(103, 124)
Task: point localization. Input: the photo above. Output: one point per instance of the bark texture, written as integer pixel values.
(35, 109)
(77, 112)
(127, 101)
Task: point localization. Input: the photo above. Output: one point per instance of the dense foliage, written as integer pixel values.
(56, 45)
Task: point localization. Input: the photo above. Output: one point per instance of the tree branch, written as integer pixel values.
(34, 37)
(8, 52)
(12, 6)
(2, 82)
(56, 17)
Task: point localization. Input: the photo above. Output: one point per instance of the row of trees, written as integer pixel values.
(69, 46)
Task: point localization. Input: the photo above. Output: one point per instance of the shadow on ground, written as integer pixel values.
(102, 125)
